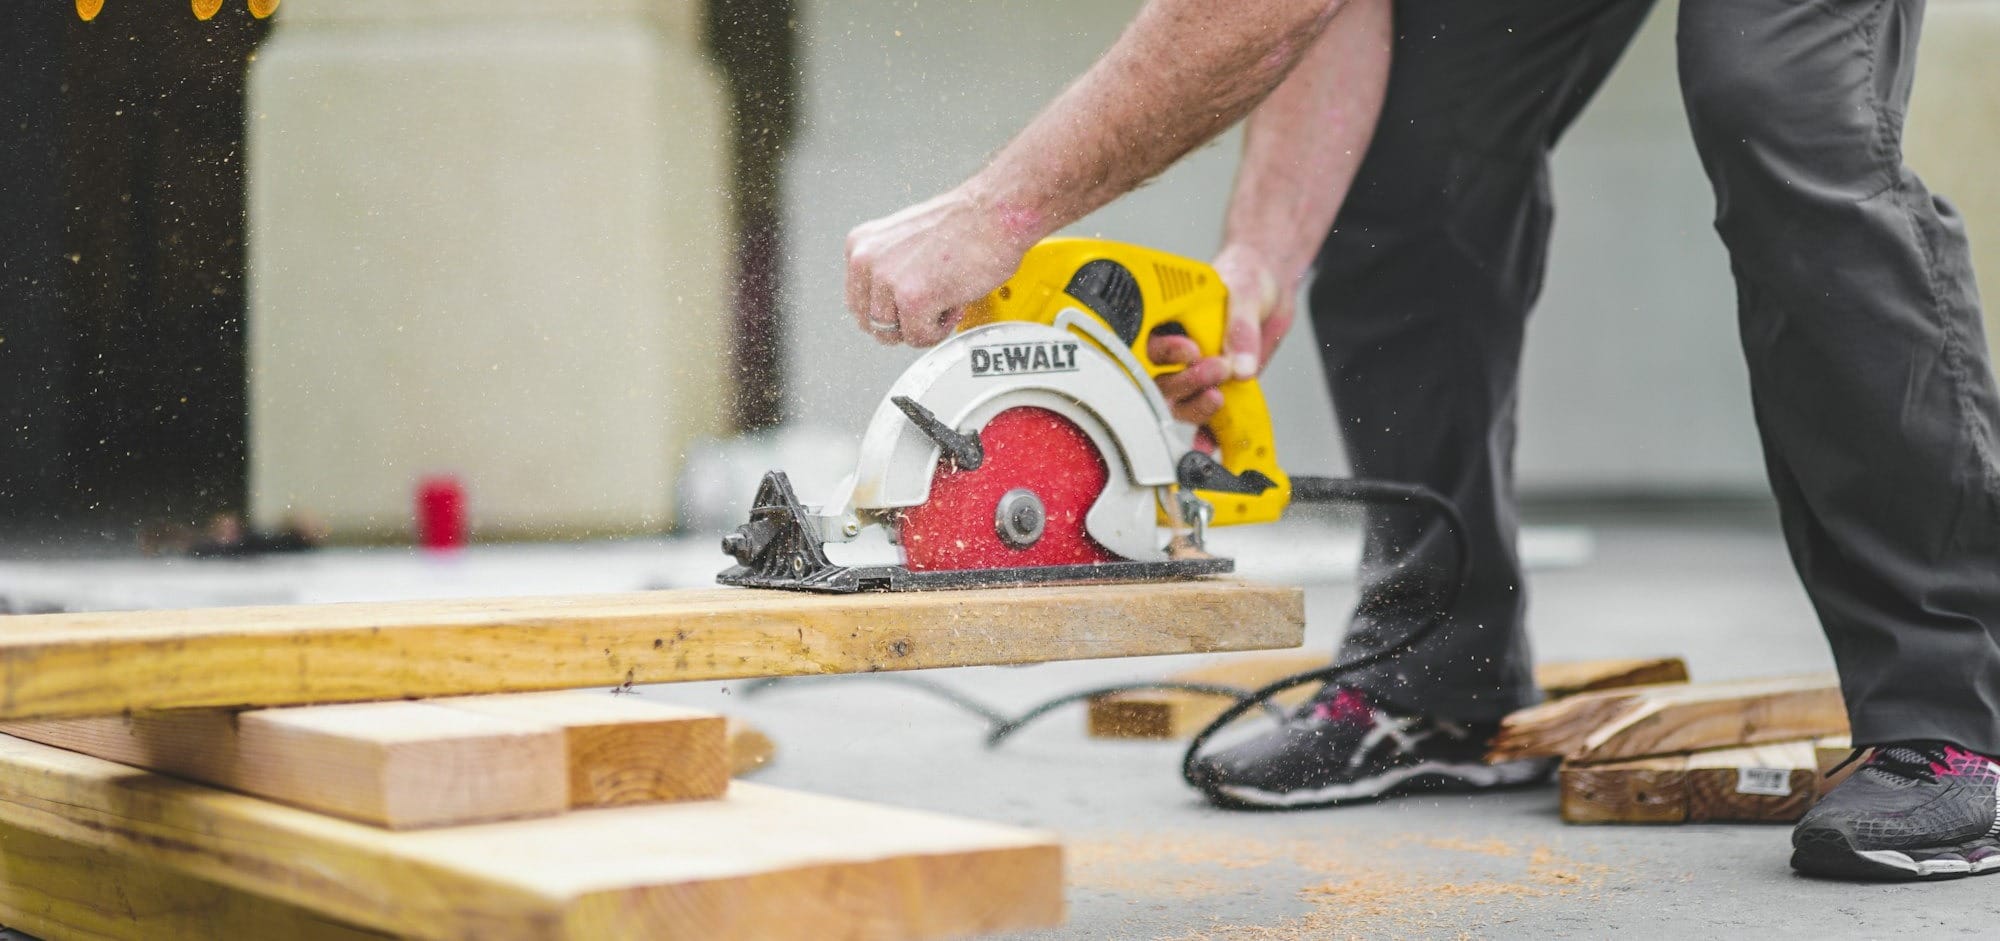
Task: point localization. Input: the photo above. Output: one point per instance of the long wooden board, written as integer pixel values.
(1771, 783)
(58, 890)
(110, 663)
(761, 863)
(1662, 720)
(391, 764)
(1172, 714)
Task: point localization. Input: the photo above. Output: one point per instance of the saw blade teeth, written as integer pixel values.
(1028, 450)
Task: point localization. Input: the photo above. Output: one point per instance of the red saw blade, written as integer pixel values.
(1027, 449)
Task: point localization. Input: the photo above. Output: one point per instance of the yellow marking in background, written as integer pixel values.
(263, 8)
(203, 9)
(88, 9)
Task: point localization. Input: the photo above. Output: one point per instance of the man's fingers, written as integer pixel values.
(1202, 376)
(1198, 409)
(925, 327)
(1168, 349)
(881, 322)
(860, 289)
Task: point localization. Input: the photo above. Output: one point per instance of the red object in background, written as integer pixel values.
(440, 513)
(1026, 447)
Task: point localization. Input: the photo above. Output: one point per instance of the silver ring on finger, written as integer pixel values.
(888, 327)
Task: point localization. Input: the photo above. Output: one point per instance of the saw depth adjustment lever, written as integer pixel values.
(962, 449)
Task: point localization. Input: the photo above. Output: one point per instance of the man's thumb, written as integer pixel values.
(1242, 339)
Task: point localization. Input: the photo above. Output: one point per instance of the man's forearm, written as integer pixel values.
(1183, 72)
(1304, 144)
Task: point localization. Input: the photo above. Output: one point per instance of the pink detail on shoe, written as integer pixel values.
(1348, 705)
(1960, 763)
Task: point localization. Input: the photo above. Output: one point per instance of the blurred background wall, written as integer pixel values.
(507, 240)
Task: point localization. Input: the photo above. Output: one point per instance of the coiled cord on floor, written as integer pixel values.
(1349, 490)
(1305, 490)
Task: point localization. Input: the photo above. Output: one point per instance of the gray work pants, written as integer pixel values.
(1859, 320)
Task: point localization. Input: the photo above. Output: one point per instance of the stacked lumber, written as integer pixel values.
(1174, 714)
(1744, 751)
(416, 770)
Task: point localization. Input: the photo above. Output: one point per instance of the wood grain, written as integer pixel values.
(1717, 790)
(1570, 677)
(622, 749)
(761, 863)
(391, 764)
(109, 663)
(1645, 790)
(1659, 720)
(1715, 786)
(58, 890)
(1169, 714)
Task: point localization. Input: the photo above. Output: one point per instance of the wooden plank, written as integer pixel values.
(1659, 720)
(1773, 782)
(109, 663)
(391, 764)
(1644, 790)
(57, 890)
(749, 748)
(761, 863)
(1167, 714)
(1570, 677)
(1770, 783)
(622, 749)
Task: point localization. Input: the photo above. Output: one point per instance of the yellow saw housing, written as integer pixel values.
(1136, 290)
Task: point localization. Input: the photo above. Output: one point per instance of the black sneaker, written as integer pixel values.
(1915, 810)
(1342, 749)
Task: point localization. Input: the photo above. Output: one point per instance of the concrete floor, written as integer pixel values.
(1149, 861)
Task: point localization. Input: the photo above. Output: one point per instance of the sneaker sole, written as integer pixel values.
(1428, 776)
(1826, 853)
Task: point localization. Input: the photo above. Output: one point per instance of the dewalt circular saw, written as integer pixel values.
(1032, 446)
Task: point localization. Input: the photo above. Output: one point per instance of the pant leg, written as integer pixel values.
(1868, 366)
(1421, 294)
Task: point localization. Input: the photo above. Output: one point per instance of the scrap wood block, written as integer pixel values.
(760, 863)
(1764, 783)
(1170, 714)
(1643, 790)
(109, 663)
(1565, 678)
(749, 748)
(1771, 783)
(1663, 720)
(1832, 752)
(424, 764)
(57, 890)
(622, 749)
(391, 764)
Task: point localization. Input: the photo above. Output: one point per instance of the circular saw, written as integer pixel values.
(1032, 447)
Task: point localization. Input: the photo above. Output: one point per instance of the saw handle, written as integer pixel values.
(1135, 290)
(1241, 427)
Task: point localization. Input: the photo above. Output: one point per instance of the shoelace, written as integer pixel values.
(1915, 762)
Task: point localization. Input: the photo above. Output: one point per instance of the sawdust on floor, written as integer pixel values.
(1376, 889)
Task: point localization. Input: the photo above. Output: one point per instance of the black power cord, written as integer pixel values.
(1319, 490)
(1347, 490)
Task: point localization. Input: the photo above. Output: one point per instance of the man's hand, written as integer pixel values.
(910, 275)
(1260, 313)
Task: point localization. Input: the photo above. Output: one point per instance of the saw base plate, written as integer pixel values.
(780, 548)
(842, 579)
